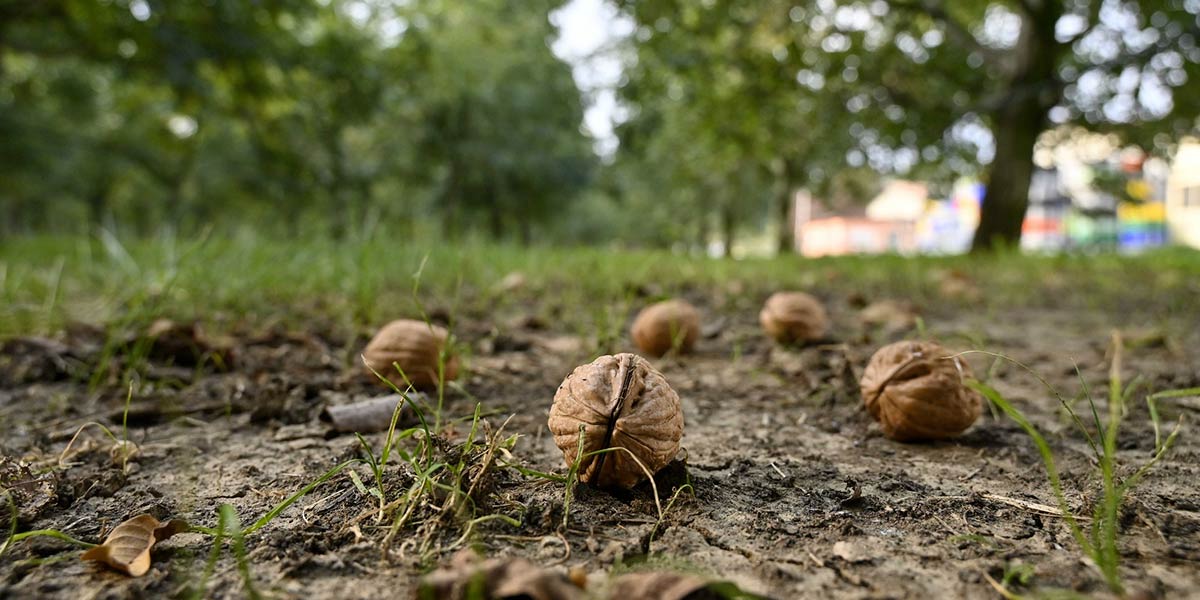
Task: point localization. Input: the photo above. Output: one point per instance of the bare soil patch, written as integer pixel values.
(796, 493)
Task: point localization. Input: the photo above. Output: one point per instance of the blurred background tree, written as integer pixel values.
(295, 114)
(319, 116)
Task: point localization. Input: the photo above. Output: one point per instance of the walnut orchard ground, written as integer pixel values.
(776, 441)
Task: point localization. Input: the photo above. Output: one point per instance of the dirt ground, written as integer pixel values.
(797, 493)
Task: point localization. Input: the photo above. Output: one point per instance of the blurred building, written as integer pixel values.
(1079, 201)
(886, 225)
(1182, 211)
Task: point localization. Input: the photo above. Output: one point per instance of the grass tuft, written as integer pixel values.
(1099, 542)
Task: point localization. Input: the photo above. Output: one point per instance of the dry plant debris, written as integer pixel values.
(891, 315)
(417, 347)
(31, 492)
(623, 403)
(364, 416)
(186, 344)
(665, 326)
(665, 585)
(916, 392)
(793, 317)
(127, 548)
(469, 577)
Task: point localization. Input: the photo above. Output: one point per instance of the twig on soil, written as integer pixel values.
(1044, 509)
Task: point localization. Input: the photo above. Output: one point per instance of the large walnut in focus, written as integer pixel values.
(413, 345)
(917, 393)
(791, 317)
(665, 325)
(620, 401)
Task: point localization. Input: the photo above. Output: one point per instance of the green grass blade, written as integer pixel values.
(274, 512)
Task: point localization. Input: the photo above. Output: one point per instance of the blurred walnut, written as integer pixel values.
(666, 325)
(416, 347)
(917, 393)
(621, 402)
(791, 317)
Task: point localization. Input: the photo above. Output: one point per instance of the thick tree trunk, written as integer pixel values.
(1017, 128)
(1016, 124)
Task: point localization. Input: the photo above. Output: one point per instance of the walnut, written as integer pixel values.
(416, 347)
(666, 325)
(917, 393)
(791, 317)
(620, 401)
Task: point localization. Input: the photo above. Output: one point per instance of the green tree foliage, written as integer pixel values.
(292, 114)
(927, 87)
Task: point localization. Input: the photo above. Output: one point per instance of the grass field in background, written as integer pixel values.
(48, 282)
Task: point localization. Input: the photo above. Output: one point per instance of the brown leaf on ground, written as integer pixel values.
(664, 585)
(470, 576)
(891, 315)
(127, 548)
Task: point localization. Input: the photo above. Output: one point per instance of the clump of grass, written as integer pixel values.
(1099, 541)
(446, 480)
(122, 450)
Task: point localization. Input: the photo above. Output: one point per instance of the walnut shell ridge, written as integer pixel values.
(790, 317)
(416, 347)
(658, 326)
(917, 393)
(620, 401)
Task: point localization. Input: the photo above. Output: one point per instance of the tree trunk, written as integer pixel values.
(1017, 128)
(785, 244)
(496, 219)
(1016, 124)
(97, 202)
(727, 227)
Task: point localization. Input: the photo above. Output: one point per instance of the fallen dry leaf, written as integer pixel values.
(664, 585)
(470, 576)
(661, 586)
(891, 315)
(127, 548)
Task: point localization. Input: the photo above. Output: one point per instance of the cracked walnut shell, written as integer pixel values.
(416, 347)
(790, 317)
(662, 326)
(620, 401)
(917, 393)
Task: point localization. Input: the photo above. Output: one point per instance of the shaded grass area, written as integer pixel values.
(47, 283)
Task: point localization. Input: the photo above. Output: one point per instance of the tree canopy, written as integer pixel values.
(926, 88)
(316, 114)
(457, 117)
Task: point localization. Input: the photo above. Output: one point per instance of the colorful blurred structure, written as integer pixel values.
(1120, 202)
(947, 226)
